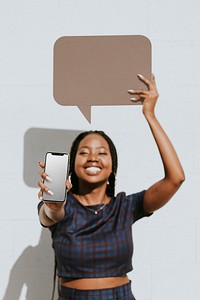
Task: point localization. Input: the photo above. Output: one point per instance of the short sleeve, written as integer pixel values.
(137, 206)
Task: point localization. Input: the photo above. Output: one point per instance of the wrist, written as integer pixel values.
(56, 214)
(149, 115)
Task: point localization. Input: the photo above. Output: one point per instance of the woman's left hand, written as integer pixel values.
(149, 98)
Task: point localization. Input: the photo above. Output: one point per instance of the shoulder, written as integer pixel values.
(130, 200)
(131, 204)
(130, 197)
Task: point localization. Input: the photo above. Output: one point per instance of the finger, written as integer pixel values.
(40, 195)
(145, 80)
(45, 176)
(138, 92)
(136, 99)
(41, 164)
(44, 188)
(42, 174)
(140, 97)
(68, 184)
(153, 80)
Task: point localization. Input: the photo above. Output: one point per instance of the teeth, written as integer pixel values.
(93, 170)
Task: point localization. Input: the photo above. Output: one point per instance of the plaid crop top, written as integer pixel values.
(89, 245)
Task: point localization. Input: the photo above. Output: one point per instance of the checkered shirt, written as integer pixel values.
(89, 245)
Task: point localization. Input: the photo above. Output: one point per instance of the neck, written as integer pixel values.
(92, 197)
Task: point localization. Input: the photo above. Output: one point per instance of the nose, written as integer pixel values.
(93, 157)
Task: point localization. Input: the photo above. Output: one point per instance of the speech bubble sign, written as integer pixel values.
(98, 70)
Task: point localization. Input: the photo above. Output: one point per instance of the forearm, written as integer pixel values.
(162, 191)
(172, 167)
(49, 217)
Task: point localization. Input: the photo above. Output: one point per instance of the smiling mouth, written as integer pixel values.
(93, 170)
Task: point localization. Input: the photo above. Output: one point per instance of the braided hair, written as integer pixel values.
(110, 190)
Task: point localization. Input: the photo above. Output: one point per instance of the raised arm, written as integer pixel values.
(162, 191)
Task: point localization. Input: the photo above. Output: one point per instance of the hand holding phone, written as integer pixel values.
(56, 168)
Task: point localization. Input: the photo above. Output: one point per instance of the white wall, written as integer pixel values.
(167, 245)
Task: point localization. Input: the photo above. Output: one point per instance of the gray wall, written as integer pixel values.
(167, 245)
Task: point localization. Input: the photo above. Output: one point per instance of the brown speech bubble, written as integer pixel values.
(98, 70)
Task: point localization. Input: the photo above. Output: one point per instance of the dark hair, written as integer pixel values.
(110, 190)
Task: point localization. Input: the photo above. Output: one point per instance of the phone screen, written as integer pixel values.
(56, 166)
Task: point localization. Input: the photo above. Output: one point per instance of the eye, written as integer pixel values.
(102, 153)
(83, 153)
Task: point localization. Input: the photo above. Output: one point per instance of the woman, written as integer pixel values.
(91, 230)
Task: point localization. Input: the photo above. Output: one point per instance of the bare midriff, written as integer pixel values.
(94, 283)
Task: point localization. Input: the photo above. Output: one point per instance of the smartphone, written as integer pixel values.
(57, 168)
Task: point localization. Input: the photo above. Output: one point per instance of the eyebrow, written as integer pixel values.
(96, 148)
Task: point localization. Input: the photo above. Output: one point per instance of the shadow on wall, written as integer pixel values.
(37, 141)
(34, 269)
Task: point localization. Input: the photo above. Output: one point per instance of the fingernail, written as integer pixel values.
(48, 178)
(40, 198)
(50, 192)
(130, 91)
(139, 75)
(133, 99)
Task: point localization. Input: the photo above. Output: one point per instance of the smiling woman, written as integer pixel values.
(93, 166)
(97, 148)
(92, 229)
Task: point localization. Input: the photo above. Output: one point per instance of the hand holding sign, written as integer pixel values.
(98, 70)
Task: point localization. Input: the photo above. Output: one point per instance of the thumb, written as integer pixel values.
(68, 183)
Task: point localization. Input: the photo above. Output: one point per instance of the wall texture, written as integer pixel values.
(167, 245)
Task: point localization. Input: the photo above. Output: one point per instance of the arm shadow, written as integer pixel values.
(33, 270)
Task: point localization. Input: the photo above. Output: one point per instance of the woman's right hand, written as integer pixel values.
(50, 212)
(42, 186)
(53, 206)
